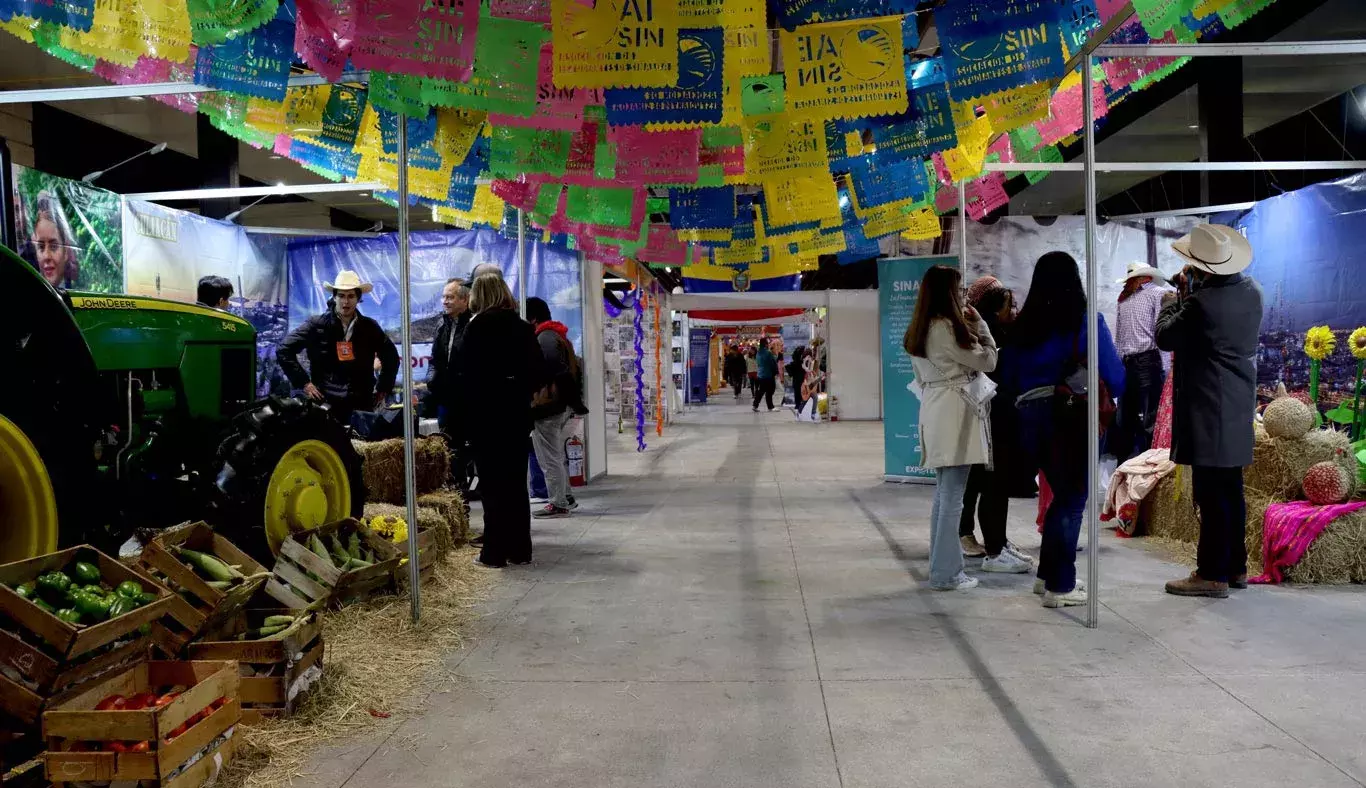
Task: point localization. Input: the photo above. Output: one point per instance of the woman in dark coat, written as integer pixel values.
(500, 367)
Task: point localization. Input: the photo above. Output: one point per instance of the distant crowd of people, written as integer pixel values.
(1004, 401)
(757, 367)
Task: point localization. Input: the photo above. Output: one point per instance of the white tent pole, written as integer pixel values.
(1092, 372)
(521, 261)
(409, 412)
(963, 229)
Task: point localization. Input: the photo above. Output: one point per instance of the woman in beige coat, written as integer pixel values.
(950, 345)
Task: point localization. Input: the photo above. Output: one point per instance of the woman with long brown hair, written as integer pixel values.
(950, 346)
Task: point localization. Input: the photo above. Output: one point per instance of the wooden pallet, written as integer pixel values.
(76, 724)
(209, 606)
(266, 696)
(65, 642)
(302, 579)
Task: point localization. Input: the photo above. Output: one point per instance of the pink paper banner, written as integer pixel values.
(556, 108)
(1066, 113)
(1109, 8)
(323, 33)
(1001, 147)
(416, 37)
(986, 194)
(941, 170)
(518, 194)
(656, 156)
(525, 10)
(730, 157)
(946, 199)
(283, 142)
(663, 247)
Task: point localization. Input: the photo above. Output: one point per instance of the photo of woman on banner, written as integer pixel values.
(52, 244)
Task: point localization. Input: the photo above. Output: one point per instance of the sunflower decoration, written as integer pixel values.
(1319, 342)
(1357, 343)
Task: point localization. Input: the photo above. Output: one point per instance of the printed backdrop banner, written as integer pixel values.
(699, 350)
(167, 251)
(898, 282)
(69, 231)
(552, 274)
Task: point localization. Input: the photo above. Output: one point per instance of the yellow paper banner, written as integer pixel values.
(1011, 109)
(966, 160)
(824, 243)
(456, 130)
(887, 220)
(800, 199)
(124, 29)
(781, 145)
(845, 69)
(1206, 7)
(487, 209)
(747, 52)
(722, 234)
(266, 116)
(304, 108)
(924, 225)
(615, 43)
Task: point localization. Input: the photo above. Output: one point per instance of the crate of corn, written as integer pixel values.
(279, 653)
(211, 577)
(166, 724)
(66, 618)
(333, 564)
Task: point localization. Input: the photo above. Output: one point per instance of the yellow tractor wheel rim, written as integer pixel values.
(28, 508)
(308, 488)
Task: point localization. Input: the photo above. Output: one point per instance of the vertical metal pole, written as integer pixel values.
(963, 229)
(405, 310)
(521, 261)
(1092, 371)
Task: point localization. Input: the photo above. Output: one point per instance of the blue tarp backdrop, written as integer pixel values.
(552, 274)
(1307, 255)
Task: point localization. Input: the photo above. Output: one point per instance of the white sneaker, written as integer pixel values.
(1018, 553)
(961, 583)
(1007, 563)
(1076, 596)
(1039, 589)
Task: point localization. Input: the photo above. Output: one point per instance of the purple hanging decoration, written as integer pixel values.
(639, 309)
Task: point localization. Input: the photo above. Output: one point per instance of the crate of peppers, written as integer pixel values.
(65, 618)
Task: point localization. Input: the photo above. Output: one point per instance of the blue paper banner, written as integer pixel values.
(799, 12)
(342, 162)
(880, 179)
(253, 64)
(420, 130)
(709, 208)
(75, 14)
(341, 116)
(925, 128)
(696, 99)
(898, 287)
(1078, 21)
(999, 45)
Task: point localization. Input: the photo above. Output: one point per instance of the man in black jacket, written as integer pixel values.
(1213, 330)
(443, 380)
(342, 345)
(553, 406)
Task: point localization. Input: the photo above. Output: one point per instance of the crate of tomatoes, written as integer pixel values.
(167, 723)
(65, 618)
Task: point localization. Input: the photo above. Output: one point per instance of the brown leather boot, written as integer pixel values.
(1195, 585)
(1239, 582)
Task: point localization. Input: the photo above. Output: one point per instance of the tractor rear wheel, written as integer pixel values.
(286, 467)
(28, 505)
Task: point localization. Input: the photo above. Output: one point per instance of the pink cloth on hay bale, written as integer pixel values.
(1289, 529)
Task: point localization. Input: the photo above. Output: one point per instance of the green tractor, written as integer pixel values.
(119, 412)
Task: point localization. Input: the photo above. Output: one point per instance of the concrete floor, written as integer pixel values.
(743, 605)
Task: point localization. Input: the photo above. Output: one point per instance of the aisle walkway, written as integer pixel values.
(743, 605)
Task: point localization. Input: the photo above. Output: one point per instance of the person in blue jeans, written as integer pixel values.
(1048, 344)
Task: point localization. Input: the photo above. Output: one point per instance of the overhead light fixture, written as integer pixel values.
(154, 150)
(615, 280)
(1193, 126)
(136, 98)
(668, 269)
(232, 217)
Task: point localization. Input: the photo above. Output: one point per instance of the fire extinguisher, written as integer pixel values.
(573, 452)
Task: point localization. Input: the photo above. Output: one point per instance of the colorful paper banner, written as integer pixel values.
(845, 69)
(697, 97)
(997, 45)
(616, 43)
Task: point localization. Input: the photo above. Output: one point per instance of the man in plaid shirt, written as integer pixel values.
(1136, 341)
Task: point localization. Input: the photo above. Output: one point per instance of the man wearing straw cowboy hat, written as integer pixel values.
(1212, 327)
(342, 345)
(1136, 340)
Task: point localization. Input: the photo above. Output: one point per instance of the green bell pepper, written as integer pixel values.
(69, 615)
(130, 589)
(44, 606)
(24, 590)
(121, 605)
(93, 608)
(85, 572)
(54, 585)
(94, 590)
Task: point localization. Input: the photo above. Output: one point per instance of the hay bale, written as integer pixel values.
(1337, 557)
(1172, 514)
(427, 516)
(1257, 502)
(382, 467)
(1279, 464)
(451, 504)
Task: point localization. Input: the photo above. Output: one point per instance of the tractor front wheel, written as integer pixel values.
(286, 467)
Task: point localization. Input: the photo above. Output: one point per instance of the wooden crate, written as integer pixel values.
(76, 723)
(47, 680)
(287, 658)
(427, 556)
(209, 605)
(302, 579)
(65, 642)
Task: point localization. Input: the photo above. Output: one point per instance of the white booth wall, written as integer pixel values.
(595, 423)
(855, 354)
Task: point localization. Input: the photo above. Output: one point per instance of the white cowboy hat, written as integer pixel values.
(1215, 248)
(1139, 269)
(348, 280)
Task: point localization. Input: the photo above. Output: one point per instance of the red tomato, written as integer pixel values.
(116, 746)
(165, 699)
(184, 726)
(218, 704)
(112, 703)
(141, 700)
(142, 746)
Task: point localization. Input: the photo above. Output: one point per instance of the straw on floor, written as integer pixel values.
(378, 670)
